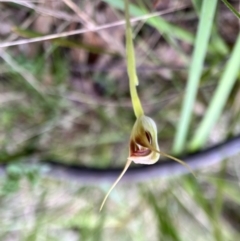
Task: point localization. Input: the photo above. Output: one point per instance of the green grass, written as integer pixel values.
(235, 12)
(221, 95)
(200, 50)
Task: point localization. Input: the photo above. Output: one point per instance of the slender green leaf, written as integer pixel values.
(219, 99)
(218, 205)
(166, 226)
(217, 44)
(197, 4)
(199, 53)
(158, 22)
(235, 12)
(230, 188)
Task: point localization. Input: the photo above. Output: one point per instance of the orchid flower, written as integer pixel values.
(143, 144)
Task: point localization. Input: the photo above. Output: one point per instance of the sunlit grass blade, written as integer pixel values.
(229, 77)
(199, 53)
(217, 44)
(159, 23)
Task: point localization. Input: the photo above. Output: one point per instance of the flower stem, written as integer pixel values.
(131, 66)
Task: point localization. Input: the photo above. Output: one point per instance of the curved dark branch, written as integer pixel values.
(140, 173)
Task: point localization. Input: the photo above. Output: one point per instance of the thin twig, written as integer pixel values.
(83, 17)
(89, 23)
(81, 31)
(47, 11)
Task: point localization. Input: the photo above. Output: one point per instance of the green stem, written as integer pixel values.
(131, 66)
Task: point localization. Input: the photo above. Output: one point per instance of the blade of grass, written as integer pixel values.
(191, 208)
(164, 28)
(199, 53)
(230, 190)
(159, 23)
(197, 4)
(210, 208)
(166, 226)
(217, 44)
(219, 99)
(30, 79)
(235, 12)
(218, 206)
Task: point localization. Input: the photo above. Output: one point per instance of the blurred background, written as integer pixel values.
(67, 99)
